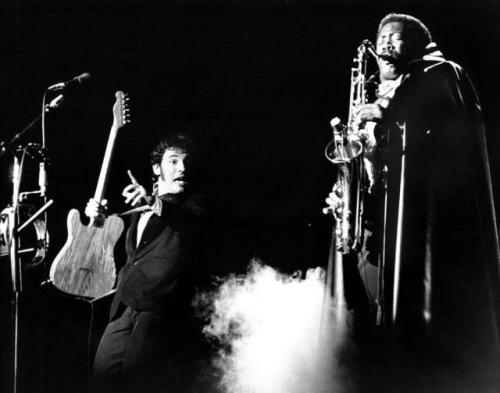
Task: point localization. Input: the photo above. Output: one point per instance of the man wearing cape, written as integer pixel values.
(430, 259)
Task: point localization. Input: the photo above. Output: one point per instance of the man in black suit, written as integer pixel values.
(142, 348)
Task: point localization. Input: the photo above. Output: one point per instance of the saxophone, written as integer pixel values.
(345, 150)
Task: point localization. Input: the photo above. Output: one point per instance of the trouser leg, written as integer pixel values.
(111, 354)
(140, 369)
(140, 352)
(369, 271)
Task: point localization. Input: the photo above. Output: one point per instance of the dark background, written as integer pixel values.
(255, 81)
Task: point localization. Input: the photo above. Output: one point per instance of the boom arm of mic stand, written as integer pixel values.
(10, 145)
(35, 216)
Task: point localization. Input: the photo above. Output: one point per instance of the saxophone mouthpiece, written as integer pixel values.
(368, 43)
(370, 48)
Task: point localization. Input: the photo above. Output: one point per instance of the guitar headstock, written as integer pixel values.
(121, 110)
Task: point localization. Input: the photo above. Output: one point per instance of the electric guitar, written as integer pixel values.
(85, 266)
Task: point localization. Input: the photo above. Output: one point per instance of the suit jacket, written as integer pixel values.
(159, 273)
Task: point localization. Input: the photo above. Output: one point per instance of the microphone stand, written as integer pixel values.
(14, 227)
(15, 263)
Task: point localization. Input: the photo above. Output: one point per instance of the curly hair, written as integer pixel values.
(418, 33)
(177, 141)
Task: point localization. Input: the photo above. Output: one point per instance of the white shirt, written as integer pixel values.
(143, 220)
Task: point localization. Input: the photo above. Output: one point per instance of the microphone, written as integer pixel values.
(55, 103)
(72, 83)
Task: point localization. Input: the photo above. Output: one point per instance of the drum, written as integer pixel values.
(33, 239)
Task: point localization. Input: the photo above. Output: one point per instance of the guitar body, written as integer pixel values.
(85, 266)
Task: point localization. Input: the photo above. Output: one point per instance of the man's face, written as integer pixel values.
(172, 172)
(393, 46)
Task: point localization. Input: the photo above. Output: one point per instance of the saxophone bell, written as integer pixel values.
(342, 148)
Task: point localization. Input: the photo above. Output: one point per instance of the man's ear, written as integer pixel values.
(156, 169)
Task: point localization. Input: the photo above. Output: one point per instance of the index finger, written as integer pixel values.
(132, 178)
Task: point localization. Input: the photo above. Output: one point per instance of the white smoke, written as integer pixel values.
(277, 333)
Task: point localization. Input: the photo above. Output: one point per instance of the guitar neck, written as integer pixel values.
(103, 175)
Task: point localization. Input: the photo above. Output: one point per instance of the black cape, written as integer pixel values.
(442, 259)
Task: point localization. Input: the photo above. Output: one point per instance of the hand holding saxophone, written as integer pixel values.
(366, 116)
(368, 112)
